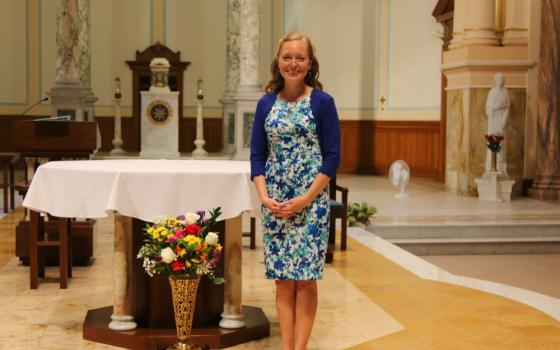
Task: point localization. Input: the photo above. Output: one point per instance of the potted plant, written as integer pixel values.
(360, 213)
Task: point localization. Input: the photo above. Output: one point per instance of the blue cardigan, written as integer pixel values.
(326, 118)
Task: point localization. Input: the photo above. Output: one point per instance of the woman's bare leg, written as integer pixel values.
(305, 311)
(286, 308)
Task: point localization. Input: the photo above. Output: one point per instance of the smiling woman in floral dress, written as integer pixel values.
(295, 149)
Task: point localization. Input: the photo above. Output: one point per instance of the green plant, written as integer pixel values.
(360, 212)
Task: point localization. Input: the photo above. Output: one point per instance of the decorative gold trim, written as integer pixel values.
(478, 29)
(516, 29)
(166, 105)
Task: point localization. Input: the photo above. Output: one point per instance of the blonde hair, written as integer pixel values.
(276, 84)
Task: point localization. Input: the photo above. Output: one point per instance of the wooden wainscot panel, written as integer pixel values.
(370, 147)
(356, 146)
(212, 134)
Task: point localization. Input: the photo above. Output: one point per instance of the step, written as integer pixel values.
(449, 237)
(446, 230)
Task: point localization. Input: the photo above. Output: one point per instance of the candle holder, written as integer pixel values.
(117, 138)
(199, 152)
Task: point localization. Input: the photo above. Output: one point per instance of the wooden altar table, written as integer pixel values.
(138, 190)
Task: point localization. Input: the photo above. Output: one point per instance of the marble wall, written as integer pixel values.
(547, 182)
(548, 119)
(466, 148)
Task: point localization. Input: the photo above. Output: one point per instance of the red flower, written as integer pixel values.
(179, 233)
(177, 266)
(193, 229)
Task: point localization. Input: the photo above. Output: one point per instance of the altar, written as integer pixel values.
(138, 190)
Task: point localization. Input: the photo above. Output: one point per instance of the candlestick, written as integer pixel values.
(118, 94)
(199, 151)
(199, 94)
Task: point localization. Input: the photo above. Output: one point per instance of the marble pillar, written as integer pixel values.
(232, 75)
(516, 25)
(232, 316)
(84, 55)
(465, 145)
(71, 94)
(248, 90)
(479, 23)
(122, 318)
(459, 14)
(547, 182)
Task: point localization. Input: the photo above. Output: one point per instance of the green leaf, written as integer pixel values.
(218, 280)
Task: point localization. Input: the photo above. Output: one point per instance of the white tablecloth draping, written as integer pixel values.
(141, 188)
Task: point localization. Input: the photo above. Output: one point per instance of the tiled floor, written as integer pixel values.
(367, 300)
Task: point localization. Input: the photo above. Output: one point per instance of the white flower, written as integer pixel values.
(211, 238)
(168, 256)
(191, 218)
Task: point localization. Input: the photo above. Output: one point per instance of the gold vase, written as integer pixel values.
(184, 299)
(494, 162)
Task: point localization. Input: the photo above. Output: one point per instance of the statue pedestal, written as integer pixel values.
(494, 187)
(159, 124)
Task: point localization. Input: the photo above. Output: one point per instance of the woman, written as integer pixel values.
(295, 149)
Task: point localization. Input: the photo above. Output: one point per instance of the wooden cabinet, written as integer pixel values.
(141, 78)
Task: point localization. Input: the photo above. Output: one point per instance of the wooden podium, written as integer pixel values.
(55, 140)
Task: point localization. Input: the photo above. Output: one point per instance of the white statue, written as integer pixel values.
(497, 110)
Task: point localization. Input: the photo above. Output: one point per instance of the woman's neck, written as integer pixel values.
(293, 93)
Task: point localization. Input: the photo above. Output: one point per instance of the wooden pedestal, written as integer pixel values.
(142, 338)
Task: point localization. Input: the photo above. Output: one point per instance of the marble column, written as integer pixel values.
(232, 74)
(459, 14)
(547, 182)
(248, 90)
(71, 94)
(232, 316)
(84, 61)
(122, 318)
(516, 25)
(480, 23)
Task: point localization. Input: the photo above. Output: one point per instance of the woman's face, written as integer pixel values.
(293, 60)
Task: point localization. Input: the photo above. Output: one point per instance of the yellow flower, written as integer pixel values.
(192, 240)
(195, 260)
(181, 251)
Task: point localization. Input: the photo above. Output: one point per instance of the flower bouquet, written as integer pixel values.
(494, 142)
(183, 249)
(182, 246)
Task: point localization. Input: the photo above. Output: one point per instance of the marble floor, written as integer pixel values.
(374, 295)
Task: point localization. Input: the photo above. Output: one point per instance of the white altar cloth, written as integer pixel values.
(141, 188)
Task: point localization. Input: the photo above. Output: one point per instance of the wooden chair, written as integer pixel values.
(251, 234)
(39, 240)
(7, 161)
(339, 210)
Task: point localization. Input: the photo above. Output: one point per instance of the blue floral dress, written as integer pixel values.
(295, 247)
